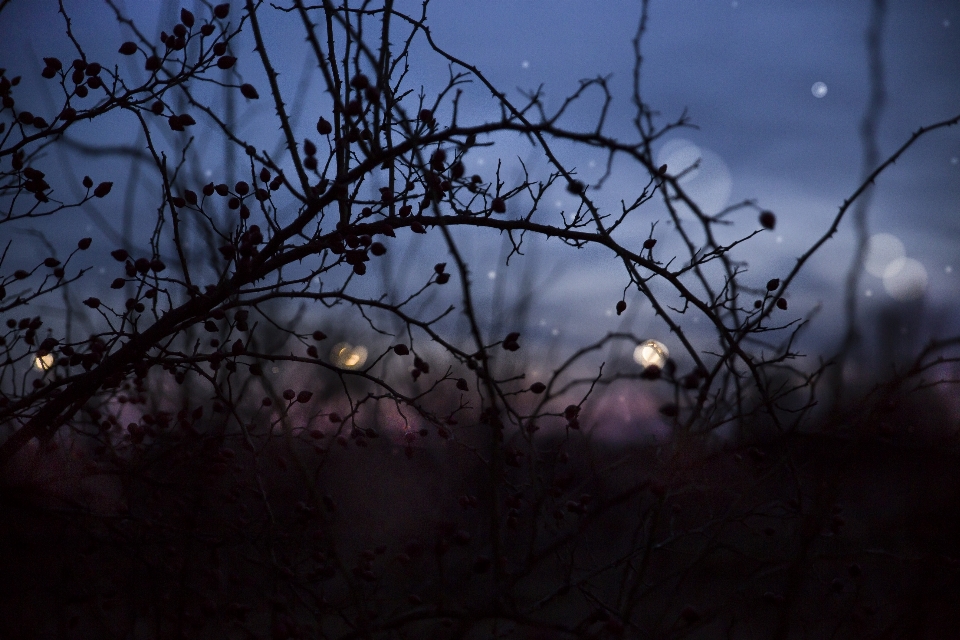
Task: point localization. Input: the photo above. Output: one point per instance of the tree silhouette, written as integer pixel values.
(204, 462)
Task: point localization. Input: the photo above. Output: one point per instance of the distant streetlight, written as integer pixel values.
(651, 353)
(43, 362)
(349, 356)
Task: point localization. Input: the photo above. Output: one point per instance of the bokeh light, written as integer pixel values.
(348, 356)
(882, 250)
(905, 279)
(706, 177)
(651, 353)
(819, 89)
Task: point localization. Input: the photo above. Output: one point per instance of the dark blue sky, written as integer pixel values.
(744, 70)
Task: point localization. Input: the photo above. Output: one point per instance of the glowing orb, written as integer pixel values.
(348, 356)
(819, 89)
(905, 279)
(883, 249)
(43, 362)
(651, 354)
(706, 177)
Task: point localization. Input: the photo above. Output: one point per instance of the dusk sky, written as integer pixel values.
(747, 71)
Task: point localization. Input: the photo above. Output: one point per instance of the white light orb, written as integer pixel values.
(43, 362)
(651, 353)
(348, 356)
(905, 279)
(819, 89)
(706, 177)
(882, 250)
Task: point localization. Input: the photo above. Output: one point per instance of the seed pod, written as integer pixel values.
(773, 284)
(621, 307)
(359, 81)
(768, 220)
(221, 10)
(248, 91)
(226, 62)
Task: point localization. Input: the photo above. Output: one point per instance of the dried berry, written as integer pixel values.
(768, 220)
(359, 81)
